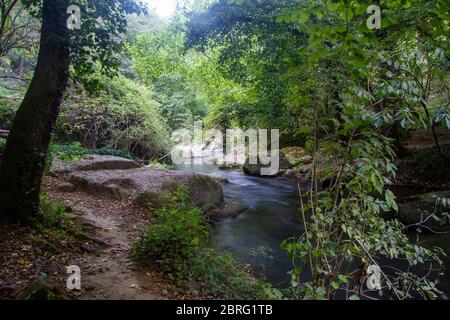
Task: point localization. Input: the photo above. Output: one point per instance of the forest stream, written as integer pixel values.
(332, 116)
(255, 236)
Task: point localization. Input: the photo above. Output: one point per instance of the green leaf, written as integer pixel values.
(343, 278)
(303, 16)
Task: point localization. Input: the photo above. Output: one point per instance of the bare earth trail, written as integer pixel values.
(109, 272)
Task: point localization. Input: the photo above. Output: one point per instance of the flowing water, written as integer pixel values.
(272, 217)
(255, 236)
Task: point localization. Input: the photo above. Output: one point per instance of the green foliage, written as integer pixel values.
(100, 40)
(55, 225)
(345, 231)
(67, 152)
(74, 151)
(310, 68)
(123, 116)
(160, 61)
(158, 165)
(176, 236)
(220, 276)
(177, 241)
(53, 215)
(279, 50)
(254, 53)
(315, 70)
(8, 108)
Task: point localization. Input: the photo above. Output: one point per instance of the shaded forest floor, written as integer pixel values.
(34, 266)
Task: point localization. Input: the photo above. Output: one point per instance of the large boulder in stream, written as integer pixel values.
(146, 185)
(415, 210)
(93, 162)
(255, 169)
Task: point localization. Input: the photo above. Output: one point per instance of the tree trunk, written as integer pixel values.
(23, 162)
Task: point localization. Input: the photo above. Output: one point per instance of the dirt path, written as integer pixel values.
(110, 273)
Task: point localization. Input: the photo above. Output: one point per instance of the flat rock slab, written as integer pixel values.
(146, 185)
(94, 162)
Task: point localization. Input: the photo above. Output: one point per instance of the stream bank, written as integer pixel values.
(254, 237)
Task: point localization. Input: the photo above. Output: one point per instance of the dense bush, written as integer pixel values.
(175, 238)
(160, 61)
(122, 116)
(178, 242)
(218, 274)
(75, 151)
(57, 229)
(8, 109)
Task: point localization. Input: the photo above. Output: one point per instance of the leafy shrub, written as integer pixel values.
(55, 218)
(178, 242)
(74, 151)
(219, 275)
(158, 165)
(8, 108)
(122, 116)
(68, 152)
(344, 229)
(176, 236)
(55, 226)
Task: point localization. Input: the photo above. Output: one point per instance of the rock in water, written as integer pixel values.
(255, 169)
(146, 185)
(416, 210)
(94, 162)
(232, 210)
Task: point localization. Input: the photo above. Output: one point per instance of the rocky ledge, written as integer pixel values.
(124, 179)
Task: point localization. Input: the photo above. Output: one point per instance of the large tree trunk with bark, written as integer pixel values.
(23, 162)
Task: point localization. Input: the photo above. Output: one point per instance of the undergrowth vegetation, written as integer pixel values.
(75, 151)
(177, 241)
(123, 115)
(56, 227)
